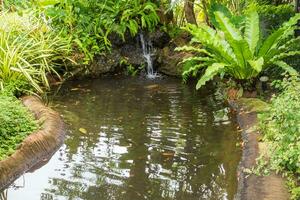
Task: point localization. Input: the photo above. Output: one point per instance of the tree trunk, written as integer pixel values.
(189, 11)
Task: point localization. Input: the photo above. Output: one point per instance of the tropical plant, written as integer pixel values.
(89, 23)
(239, 50)
(29, 51)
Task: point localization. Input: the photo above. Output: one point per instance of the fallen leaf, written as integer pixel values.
(82, 130)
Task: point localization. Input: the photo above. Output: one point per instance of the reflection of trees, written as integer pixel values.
(199, 155)
(3, 195)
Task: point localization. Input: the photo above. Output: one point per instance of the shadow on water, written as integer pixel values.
(134, 139)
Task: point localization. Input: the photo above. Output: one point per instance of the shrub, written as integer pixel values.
(280, 126)
(90, 22)
(15, 124)
(29, 51)
(237, 49)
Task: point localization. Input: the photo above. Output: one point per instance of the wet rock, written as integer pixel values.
(133, 54)
(105, 63)
(165, 59)
(159, 39)
(169, 61)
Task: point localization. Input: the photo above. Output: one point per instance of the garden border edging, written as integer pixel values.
(251, 186)
(37, 147)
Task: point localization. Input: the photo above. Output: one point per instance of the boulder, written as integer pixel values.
(105, 63)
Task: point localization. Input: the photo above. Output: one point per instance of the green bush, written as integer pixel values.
(15, 124)
(237, 49)
(29, 51)
(89, 23)
(280, 126)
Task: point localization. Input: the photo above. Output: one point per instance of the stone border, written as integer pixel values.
(37, 147)
(250, 186)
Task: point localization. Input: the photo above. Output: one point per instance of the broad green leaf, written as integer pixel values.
(227, 27)
(257, 64)
(252, 30)
(235, 39)
(213, 41)
(210, 72)
(285, 55)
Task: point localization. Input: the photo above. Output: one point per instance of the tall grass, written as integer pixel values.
(29, 51)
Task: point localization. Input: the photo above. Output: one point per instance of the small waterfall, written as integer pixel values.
(147, 53)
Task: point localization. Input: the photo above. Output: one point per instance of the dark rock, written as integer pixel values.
(105, 63)
(159, 39)
(133, 54)
(164, 58)
(169, 61)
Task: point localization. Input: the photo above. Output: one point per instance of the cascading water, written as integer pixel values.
(148, 53)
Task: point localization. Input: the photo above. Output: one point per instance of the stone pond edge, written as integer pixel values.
(250, 186)
(38, 147)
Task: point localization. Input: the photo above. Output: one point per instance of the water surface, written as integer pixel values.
(132, 139)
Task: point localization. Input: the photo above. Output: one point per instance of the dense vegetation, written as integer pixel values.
(43, 41)
(29, 52)
(16, 122)
(280, 126)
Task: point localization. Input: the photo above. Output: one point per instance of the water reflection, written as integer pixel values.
(3, 195)
(143, 141)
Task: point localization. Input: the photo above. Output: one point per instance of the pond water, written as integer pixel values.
(132, 139)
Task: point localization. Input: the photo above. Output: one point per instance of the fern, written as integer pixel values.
(210, 72)
(239, 54)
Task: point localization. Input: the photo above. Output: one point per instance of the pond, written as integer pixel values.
(131, 139)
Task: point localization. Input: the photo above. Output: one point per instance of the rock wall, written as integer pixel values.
(166, 60)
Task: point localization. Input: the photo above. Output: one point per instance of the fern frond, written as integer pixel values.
(210, 72)
(274, 40)
(235, 39)
(193, 49)
(252, 30)
(286, 67)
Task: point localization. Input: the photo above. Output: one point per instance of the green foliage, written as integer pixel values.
(130, 69)
(280, 126)
(29, 52)
(15, 124)
(239, 50)
(89, 23)
(274, 16)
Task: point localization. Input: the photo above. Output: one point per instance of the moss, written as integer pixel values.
(16, 122)
(253, 104)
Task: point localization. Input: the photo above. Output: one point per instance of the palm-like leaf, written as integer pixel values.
(210, 72)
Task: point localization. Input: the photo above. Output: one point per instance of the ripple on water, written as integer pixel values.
(145, 139)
